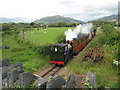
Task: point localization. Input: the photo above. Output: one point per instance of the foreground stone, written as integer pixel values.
(4, 62)
(13, 74)
(41, 82)
(55, 82)
(92, 79)
(71, 81)
(26, 79)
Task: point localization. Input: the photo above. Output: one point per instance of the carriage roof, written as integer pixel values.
(60, 45)
(80, 36)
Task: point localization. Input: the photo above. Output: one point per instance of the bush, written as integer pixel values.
(44, 49)
(111, 34)
(61, 38)
(16, 49)
(107, 29)
(6, 27)
(102, 39)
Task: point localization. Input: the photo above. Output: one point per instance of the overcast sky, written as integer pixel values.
(78, 9)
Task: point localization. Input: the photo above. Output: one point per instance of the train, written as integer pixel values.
(57, 56)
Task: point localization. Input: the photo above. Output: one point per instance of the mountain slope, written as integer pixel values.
(108, 18)
(16, 20)
(57, 18)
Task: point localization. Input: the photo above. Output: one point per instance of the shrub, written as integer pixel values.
(109, 36)
(102, 39)
(44, 49)
(6, 27)
(61, 38)
(15, 49)
(107, 29)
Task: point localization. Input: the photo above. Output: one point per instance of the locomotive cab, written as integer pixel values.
(57, 54)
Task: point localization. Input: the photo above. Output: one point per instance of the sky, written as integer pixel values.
(84, 10)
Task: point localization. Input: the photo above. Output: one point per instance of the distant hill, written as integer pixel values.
(16, 20)
(108, 18)
(57, 18)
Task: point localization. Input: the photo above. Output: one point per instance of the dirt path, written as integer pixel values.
(42, 70)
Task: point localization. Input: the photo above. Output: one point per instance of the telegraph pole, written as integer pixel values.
(119, 14)
(23, 31)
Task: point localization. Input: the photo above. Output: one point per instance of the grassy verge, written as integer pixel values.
(106, 73)
(20, 52)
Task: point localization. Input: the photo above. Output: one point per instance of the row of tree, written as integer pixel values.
(62, 24)
(100, 23)
(55, 24)
(8, 27)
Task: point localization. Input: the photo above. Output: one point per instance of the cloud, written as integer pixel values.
(79, 9)
(89, 10)
(65, 2)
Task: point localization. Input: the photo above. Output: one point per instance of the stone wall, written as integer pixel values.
(13, 76)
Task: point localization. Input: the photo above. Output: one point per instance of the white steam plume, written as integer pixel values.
(80, 29)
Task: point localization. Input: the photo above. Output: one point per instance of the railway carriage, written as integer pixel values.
(79, 43)
(57, 50)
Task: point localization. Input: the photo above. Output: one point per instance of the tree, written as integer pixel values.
(5, 27)
(58, 24)
(32, 23)
(61, 23)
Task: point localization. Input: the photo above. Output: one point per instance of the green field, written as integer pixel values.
(20, 52)
(43, 36)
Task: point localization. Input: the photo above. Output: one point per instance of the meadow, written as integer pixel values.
(24, 52)
(43, 36)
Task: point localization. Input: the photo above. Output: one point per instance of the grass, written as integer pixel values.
(106, 73)
(30, 58)
(43, 36)
(21, 53)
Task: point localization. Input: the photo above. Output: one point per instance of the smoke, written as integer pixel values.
(80, 29)
(70, 35)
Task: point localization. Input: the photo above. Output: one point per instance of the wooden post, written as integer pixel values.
(23, 34)
(119, 14)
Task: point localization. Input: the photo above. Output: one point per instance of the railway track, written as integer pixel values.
(51, 72)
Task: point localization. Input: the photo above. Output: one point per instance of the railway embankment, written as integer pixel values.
(107, 40)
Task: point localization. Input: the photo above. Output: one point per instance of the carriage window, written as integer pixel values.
(86, 37)
(82, 39)
(56, 49)
(79, 41)
(60, 49)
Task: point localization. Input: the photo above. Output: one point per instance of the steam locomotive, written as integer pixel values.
(57, 50)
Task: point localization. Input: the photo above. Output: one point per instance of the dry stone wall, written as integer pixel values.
(13, 75)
